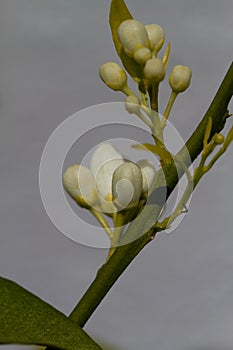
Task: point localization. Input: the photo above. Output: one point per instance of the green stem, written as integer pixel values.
(118, 228)
(127, 91)
(144, 119)
(106, 277)
(167, 111)
(123, 255)
(143, 93)
(182, 202)
(154, 97)
(98, 215)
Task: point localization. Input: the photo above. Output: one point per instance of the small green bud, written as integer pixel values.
(154, 70)
(132, 104)
(113, 76)
(127, 185)
(180, 78)
(218, 139)
(132, 35)
(79, 183)
(142, 55)
(156, 36)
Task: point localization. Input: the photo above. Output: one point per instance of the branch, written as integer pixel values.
(123, 255)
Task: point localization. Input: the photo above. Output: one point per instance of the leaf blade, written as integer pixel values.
(26, 319)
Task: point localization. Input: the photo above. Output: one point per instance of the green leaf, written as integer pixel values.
(118, 14)
(26, 319)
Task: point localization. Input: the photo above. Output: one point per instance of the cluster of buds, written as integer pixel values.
(139, 41)
(142, 44)
(111, 184)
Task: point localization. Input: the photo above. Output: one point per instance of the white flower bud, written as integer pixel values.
(132, 104)
(132, 35)
(79, 182)
(154, 70)
(148, 175)
(142, 55)
(156, 36)
(127, 185)
(180, 78)
(105, 159)
(113, 76)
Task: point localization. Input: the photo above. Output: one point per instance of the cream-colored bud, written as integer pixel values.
(113, 76)
(142, 55)
(180, 78)
(154, 70)
(156, 36)
(79, 182)
(132, 104)
(104, 161)
(132, 35)
(127, 185)
(148, 175)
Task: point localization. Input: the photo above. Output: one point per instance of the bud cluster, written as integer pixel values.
(142, 44)
(111, 183)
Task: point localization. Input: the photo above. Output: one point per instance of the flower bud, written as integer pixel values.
(104, 161)
(142, 55)
(156, 36)
(113, 76)
(218, 139)
(79, 182)
(132, 35)
(127, 185)
(154, 70)
(148, 175)
(132, 104)
(180, 78)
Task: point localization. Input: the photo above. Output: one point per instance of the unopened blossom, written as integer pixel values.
(132, 104)
(113, 76)
(132, 35)
(154, 70)
(104, 161)
(142, 55)
(180, 78)
(127, 185)
(79, 182)
(156, 36)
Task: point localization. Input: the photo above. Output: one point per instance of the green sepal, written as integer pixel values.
(26, 319)
(118, 14)
(164, 155)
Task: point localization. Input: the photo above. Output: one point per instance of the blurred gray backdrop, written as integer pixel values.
(178, 293)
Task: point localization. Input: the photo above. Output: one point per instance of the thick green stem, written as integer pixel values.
(123, 255)
(106, 277)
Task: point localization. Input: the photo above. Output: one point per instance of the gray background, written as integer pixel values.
(178, 293)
